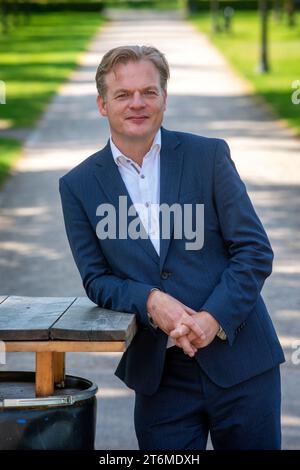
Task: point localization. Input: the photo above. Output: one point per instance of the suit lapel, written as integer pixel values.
(171, 162)
(109, 178)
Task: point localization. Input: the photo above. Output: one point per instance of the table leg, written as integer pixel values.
(44, 374)
(59, 369)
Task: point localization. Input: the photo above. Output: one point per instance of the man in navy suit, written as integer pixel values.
(206, 356)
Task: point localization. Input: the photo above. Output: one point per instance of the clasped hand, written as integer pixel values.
(190, 330)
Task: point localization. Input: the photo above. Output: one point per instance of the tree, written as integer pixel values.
(277, 10)
(214, 8)
(290, 8)
(263, 65)
(12, 12)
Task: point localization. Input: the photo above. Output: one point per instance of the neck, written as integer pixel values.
(136, 149)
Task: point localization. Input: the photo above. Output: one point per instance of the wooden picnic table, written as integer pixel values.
(52, 326)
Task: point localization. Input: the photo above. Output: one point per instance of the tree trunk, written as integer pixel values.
(278, 10)
(290, 8)
(214, 8)
(263, 65)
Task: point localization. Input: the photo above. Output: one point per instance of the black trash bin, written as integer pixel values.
(64, 421)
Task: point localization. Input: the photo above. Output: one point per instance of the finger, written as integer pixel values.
(187, 347)
(180, 330)
(178, 343)
(194, 340)
(198, 344)
(192, 336)
(193, 325)
(190, 353)
(184, 330)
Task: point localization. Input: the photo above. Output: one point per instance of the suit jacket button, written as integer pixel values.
(164, 275)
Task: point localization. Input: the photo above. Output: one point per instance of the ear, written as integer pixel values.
(165, 95)
(101, 105)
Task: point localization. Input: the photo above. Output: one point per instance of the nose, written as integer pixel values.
(137, 100)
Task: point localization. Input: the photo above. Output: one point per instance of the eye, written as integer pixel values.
(122, 96)
(150, 93)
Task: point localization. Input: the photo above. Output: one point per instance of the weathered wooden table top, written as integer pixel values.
(52, 326)
(62, 318)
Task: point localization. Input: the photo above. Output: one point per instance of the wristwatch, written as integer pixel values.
(221, 334)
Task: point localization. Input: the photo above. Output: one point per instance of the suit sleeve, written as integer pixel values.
(101, 286)
(251, 255)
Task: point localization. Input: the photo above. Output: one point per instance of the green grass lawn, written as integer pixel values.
(35, 59)
(9, 152)
(241, 48)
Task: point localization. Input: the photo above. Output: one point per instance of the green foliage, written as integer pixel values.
(13, 6)
(205, 5)
(36, 57)
(87, 5)
(241, 48)
(143, 4)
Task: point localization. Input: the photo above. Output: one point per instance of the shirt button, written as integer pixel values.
(147, 204)
(142, 176)
(164, 275)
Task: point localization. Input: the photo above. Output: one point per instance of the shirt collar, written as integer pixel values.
(116, 153)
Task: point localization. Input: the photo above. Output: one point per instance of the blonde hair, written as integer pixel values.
(125, 54)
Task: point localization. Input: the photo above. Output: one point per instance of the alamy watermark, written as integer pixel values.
(295, 357)
(296, 94)
(2, 92)
(140, 220)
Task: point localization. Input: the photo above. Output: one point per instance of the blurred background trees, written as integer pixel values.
(41, 40)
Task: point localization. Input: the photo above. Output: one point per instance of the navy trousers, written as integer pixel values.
(188, 406)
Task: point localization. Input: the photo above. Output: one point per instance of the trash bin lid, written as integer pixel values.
(17, 389)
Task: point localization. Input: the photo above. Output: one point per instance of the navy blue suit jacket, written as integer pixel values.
(224, 277)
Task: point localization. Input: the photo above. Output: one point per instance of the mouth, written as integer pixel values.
(137, 119)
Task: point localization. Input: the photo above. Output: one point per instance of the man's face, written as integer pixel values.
(134, 102)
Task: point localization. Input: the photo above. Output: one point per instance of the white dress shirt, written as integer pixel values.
(143, 186)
